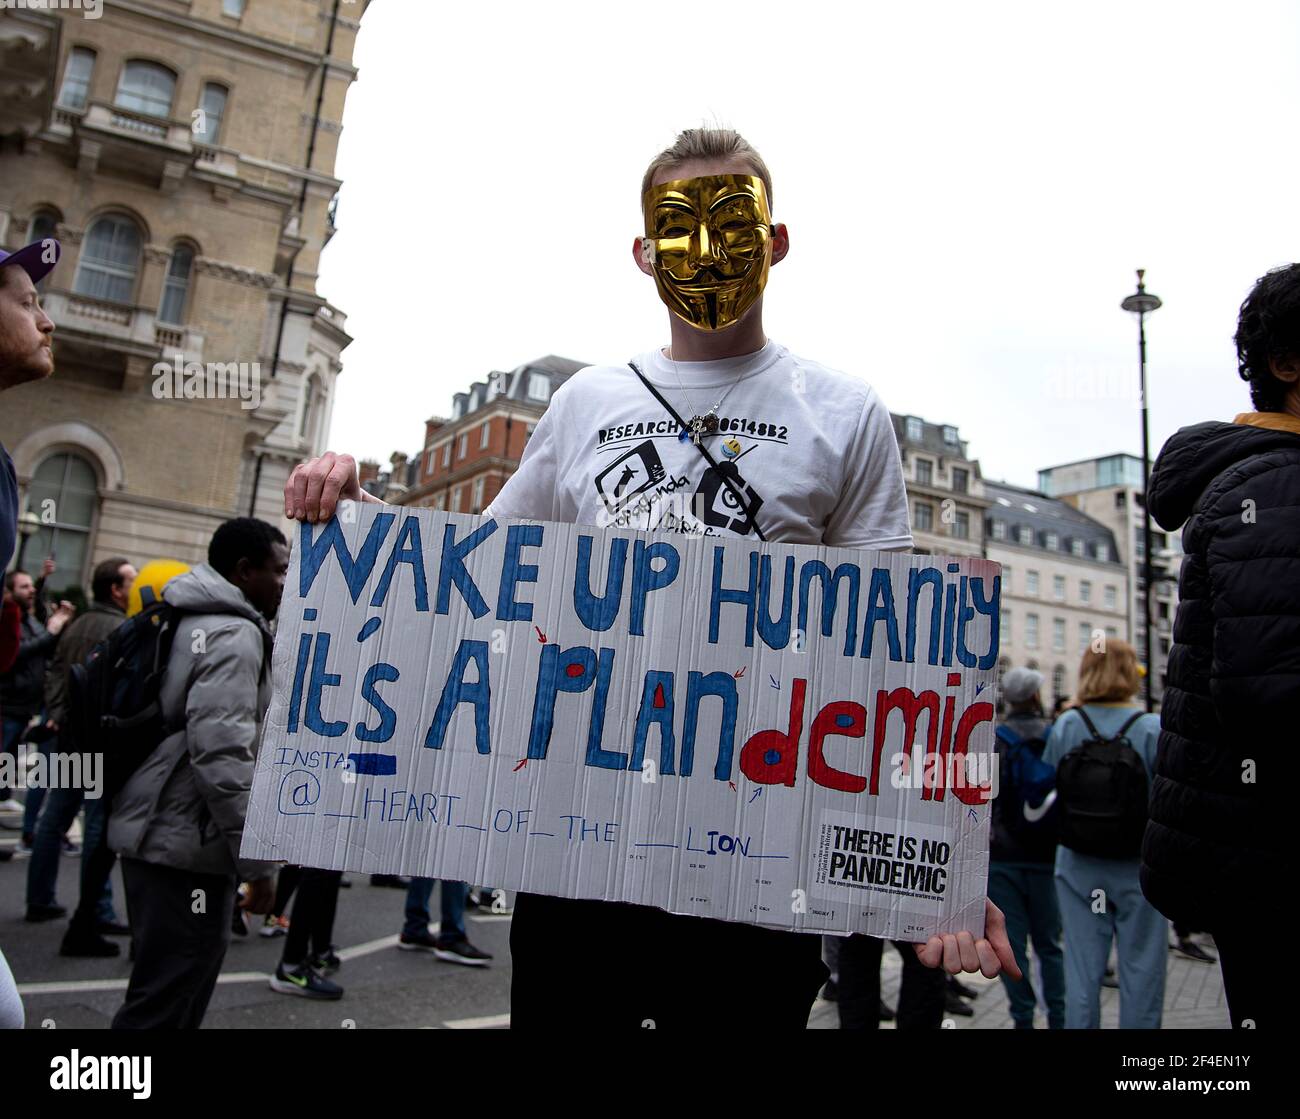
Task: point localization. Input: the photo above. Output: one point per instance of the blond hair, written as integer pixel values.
(708, 144)
(1109, 676)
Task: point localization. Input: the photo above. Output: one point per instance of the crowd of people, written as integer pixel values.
(1110, 822)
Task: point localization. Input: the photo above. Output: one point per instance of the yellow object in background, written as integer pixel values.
(149, 584)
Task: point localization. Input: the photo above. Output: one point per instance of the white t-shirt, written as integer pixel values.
(811, 452)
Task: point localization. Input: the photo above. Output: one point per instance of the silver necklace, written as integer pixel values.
(699, 426)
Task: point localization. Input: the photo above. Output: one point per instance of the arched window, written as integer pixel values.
(110, 259)
(63, 494)
(212, 108)
(76, 78)
(176, 287)
(146, 87)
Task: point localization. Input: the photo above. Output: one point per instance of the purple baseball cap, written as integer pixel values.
(31, 258)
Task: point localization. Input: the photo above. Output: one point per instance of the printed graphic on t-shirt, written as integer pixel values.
(637, 490)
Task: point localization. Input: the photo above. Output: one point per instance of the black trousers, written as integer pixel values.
(1250, 977)
(613, 965)
(312, 924)
(921, 998)
(180, 939)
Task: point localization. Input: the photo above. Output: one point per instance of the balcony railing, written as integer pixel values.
(121, 325)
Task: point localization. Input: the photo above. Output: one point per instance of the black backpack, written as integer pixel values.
(1101, 788)
(113, 695)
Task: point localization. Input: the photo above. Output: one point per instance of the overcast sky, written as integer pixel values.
(968, 189)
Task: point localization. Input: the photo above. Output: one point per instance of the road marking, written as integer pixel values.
(72, 987)
(489, 1022)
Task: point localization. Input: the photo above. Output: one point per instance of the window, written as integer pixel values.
(440, 502)
(455, 499)
(1108, 598)
(1103, 552)
(462, 444)
(1085, 590)
(960, 479)
(177, 285)
(1076, 546)
(999, 530)
(69, 482)
(1058, 683)
(1051, 541)
(312, 400)
(1111, 631)
(1058, 635)
(1058, 587)
(1006, 626)
(484, 434)
(1031, 631)
(76, 78)
(110, 258)
(961, 526)
(1121, 499)
(1026, 536)
(232, 8)
(43, 225)
(146, 87)
(924, 516)
(539, 386)
(924, 471)
(1006, 578)
(528, 432)
(211, 111)
(446, 454)
(1085, 635)
(477, 504)
(914, 432)
(950, 435)
(1031, 582)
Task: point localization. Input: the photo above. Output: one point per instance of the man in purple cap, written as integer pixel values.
(25, 355)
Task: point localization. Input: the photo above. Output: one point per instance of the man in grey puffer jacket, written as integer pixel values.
(178, 821)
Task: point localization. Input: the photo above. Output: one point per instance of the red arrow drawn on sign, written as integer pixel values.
(540, 636)
(520, 766)
(738, 675)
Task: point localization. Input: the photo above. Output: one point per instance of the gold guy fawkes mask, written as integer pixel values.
(709, 241)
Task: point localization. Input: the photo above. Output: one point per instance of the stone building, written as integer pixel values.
(184, 158)
(1109, 489)
(1063, 582)
(945, 489)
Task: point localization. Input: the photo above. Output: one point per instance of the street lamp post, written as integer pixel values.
(28, 525)
(1142, 303)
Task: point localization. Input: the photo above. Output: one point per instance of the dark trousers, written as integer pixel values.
(95, 904)
(1250, 978)
(180, 941)
(312, 922)
(584, 964)
(921, 998)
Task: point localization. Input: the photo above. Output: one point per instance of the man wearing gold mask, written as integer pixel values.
(621, 446)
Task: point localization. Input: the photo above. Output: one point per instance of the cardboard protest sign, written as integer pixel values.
(794, 736)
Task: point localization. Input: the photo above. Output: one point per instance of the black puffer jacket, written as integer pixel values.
(1211, 852)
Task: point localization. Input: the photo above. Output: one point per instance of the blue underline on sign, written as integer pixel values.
(343, 815)
(767, 856)
(548, 834)
(474, 826)
(672, 845)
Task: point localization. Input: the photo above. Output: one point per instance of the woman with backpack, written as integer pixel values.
(1104, 752)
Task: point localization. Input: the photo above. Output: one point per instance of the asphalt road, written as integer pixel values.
(384, 987)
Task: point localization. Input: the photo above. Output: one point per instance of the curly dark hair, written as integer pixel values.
(242, 538)
(1269, 327)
